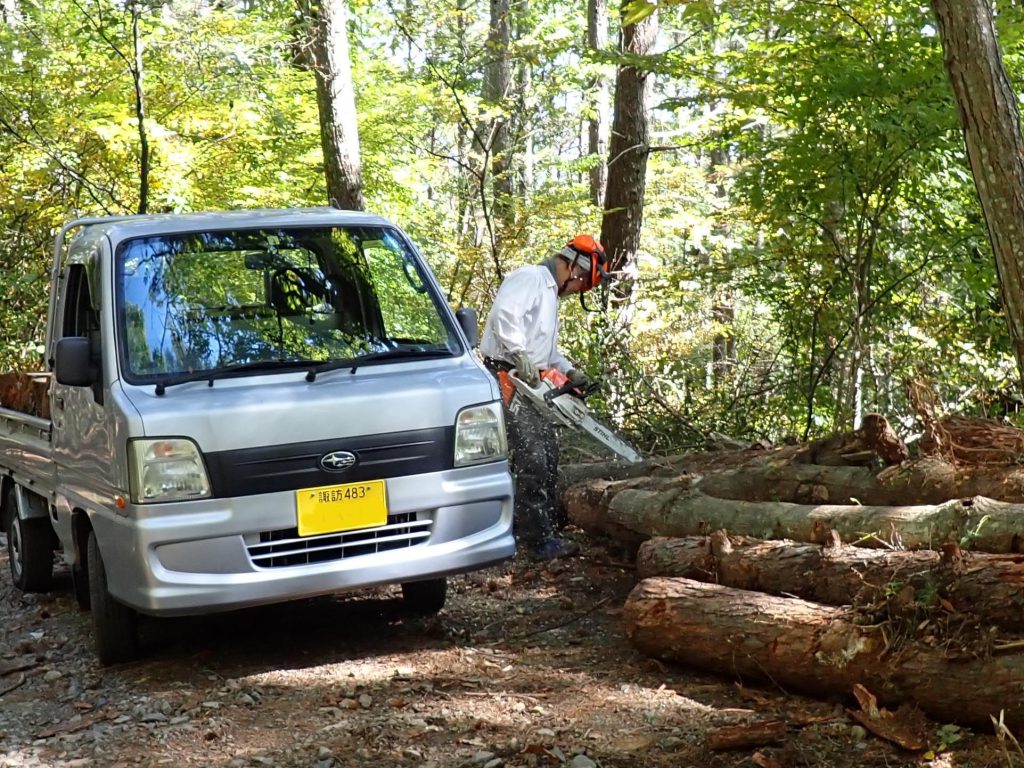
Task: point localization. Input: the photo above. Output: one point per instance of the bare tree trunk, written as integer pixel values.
(137, 72)
(335, 96)
(497, 85)
(629, 147)
(818, 649)
(990, 119)
(597, 41)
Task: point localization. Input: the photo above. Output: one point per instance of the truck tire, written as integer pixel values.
(80, 586)
(113, 623)
(425, 598)
(29, 549)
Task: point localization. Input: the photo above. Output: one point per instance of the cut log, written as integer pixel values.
(586, 505)
(776, 476)
(26, 393)
(989, 587)
(815, 649)
(979, 523)
(924, 481)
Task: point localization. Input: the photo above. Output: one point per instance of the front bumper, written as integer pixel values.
(206, 556)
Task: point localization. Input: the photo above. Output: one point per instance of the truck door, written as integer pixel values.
(82, 436)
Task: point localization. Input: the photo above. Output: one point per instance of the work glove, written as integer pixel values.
(578, 378)
(526, 370)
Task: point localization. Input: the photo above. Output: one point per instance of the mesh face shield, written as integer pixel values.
(587, 253)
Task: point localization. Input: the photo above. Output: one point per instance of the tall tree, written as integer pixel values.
(137, 70)
(630, 144)
(497, 85)
(990, 120)
(336, 101)
(597, 126)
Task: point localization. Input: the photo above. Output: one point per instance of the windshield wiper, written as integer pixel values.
(220, 373)
(390, 354)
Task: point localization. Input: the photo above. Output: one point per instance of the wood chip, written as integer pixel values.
(746, 735)
(907, 727)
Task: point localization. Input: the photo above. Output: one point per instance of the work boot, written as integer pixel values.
(554, 548)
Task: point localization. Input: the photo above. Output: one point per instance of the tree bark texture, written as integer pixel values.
(137, 72)
(988, 587)
(612, 509)
(26, 393)
(629, 146)
(497, 85)
(336, 102)
(923, 481)
(747, 735)
(597, 126)
(802, 645)
(990, 120)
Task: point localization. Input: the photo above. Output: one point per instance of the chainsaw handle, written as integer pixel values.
(566, 388)
(571, 389)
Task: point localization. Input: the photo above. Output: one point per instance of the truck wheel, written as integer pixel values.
(425, 598)
(113, 623)
(29, 549)
(80, 585)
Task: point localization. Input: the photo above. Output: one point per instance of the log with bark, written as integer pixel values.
(26, 393)
(817, 649)
(922, 481)
(979, 588)
(982, 460)
(662, 507)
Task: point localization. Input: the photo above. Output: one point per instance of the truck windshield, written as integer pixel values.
(207, 301)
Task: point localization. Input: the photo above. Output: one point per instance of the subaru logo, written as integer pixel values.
(338, 461)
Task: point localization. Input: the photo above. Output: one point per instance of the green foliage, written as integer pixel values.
(811, 234)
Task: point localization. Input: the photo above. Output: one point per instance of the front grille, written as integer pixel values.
(285, 548)
(296, 466)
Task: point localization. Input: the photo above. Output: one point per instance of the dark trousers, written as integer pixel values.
(533, 449)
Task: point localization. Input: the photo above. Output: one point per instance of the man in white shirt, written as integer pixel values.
(521, 332)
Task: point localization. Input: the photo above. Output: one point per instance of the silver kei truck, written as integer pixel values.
(250, 407)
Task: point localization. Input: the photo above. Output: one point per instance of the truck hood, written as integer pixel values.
(283, 408)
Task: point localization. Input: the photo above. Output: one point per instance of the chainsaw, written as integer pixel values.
(561, 401)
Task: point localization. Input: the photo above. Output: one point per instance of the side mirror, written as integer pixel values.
(468, 323)
(73, 364)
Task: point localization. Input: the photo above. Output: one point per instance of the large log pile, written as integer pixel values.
(841, 567)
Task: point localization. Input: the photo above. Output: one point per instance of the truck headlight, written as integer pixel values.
(480, 435)
(166, 470)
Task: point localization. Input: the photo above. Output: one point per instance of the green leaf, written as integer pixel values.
(636, 11)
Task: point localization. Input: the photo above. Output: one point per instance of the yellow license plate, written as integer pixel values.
(335, 508)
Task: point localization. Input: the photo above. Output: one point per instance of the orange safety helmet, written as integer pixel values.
(586, 252)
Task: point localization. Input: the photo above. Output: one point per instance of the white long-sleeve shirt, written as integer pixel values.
(524, 316)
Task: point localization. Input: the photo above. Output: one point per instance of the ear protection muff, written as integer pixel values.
(586, 252)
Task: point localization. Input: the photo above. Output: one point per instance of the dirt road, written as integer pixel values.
(526, 666)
